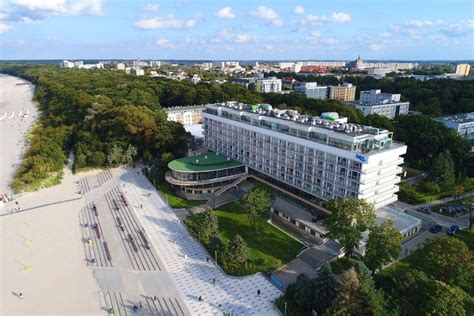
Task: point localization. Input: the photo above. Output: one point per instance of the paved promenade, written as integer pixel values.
(185, 259)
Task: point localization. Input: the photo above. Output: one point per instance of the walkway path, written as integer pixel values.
(186, 260)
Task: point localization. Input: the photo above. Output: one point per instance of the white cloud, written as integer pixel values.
(225, 36)
(164, 42)
(317, 20)
(314, 35)
(266, 13)
(269, 47)
(242, 38)
(61, 7)
(376, 47)
(152, 7)
(191, 23)
(225, 13)
(298, 10)
(459, 29)
(5, 27)
(28, 20)
(417, 23)
(165, 22)
(277, 22)
(329, 41)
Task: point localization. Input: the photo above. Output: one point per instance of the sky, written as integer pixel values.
(237, 30)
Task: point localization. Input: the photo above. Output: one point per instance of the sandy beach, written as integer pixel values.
(17, 114)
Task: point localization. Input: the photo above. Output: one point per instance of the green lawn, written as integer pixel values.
(342, 264)
(173, 199)
(269, 249)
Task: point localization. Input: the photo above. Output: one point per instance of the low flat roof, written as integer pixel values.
(204, 162)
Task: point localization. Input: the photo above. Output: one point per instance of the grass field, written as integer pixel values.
(174, 200)
(268, 249)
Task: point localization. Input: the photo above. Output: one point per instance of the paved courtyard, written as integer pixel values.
(186, 260)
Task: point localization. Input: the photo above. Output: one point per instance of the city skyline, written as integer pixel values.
(214, 30)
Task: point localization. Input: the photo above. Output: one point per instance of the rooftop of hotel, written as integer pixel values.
(457, 118)
(202, 163)
(327, 120)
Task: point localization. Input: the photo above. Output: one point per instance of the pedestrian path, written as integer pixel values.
(187, 261)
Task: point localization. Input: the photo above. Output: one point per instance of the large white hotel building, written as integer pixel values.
(318, 158)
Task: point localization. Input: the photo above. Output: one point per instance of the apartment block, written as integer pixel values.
(312, 90)
(346, 92)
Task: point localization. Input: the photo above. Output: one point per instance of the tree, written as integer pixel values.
(449, 260)
(379, 121)
(325, 289)
(349, 299)
(443, 169)
(374, 300)
(208, 225)
(459, 191)
(303, 291)
(416, 294)
(383, 245)
(349, 218)
(129, 154)
(237, 250)
(256, 203)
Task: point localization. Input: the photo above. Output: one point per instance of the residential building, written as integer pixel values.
(314, 158)
(137, 71)
(225, 64)
(346, 92)
(270, 84)
(79, 64)
(288, 83)
(376, 96)
(186, 115)
(244, 81)
(195, 79)
(312, 90)
(359, 64)
(389, 109)
(463, 70)
(463, 124)
(66, 64)
(385, 104)
(120, 66)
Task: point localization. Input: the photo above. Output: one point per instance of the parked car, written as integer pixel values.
(436, 228)
(453, 230)
(424, 210)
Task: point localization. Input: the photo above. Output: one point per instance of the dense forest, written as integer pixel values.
(433, 97)
(107, 118)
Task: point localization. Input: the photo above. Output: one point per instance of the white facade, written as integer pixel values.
(463, 70)
(120, 66)
(66, 64)
(306, 152)
(376, 96)
(137, 71)
(463, 124)
(271, 84)
(312, 90)
(390, 110)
